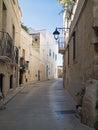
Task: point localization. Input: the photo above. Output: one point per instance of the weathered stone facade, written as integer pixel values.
(10, 25)
(89, 103)
(81, 53)
(38, 58)
(45, 44)
(81, 67)
(34, 69)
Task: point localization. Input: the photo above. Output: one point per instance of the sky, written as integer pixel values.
(42, 14)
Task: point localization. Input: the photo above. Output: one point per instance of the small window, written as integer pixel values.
(4, 7)
(14, 2)
(27, 65)
(74, 45)
(68, 54)
(55, 57)
(4, 17)
(13, 32)
(36, 39)
(23, 53)
(49, 52)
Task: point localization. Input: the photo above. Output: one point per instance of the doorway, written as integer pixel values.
(11, 81)
(21, 77)
(1, 82)
(38, 75)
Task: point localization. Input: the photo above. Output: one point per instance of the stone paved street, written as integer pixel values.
(41, 106)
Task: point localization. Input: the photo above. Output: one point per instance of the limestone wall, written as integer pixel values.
(89, 112)
(81, 68)
(10, 16)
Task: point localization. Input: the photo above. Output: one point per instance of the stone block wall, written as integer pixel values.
(81, 68)
(89, 111)
(85, 64)
(11, 18)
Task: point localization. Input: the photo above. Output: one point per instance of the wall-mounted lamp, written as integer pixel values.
(56, 33)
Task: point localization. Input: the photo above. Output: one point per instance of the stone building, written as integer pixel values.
(10, 15)
(81, 46)
(31, 67)
(60, 71)
(48, 48)
(39, 70)
(25, 42)
(38, 56)
(81, 49)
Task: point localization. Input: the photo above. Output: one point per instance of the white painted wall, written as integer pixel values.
(47, 43)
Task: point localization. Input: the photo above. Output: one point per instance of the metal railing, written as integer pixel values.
(61, 43)
(7, 47)
(24, 64)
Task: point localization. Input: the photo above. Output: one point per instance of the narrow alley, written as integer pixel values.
(41, 106)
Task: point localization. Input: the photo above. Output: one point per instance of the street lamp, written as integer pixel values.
(56, 33)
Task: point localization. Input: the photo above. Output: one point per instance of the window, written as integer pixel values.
(13, 32)
(36, 39)
(74, 45)
(23, 53)
(4, 16)
(27, 65)
(49, 52)
(55, 57)
(68, 54)
(14, 2)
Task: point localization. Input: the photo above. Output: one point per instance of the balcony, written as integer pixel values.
(24, 65)
(61, 47)
(8, 52)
